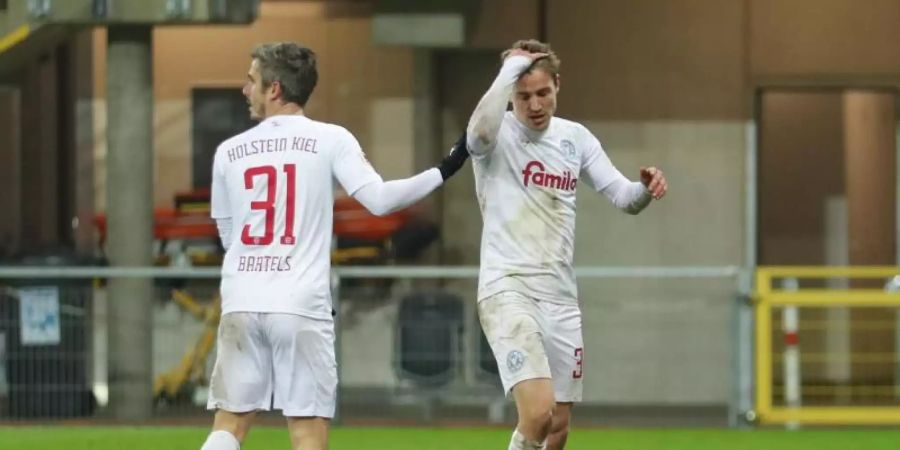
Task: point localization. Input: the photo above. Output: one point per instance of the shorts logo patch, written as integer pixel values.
(515, 360)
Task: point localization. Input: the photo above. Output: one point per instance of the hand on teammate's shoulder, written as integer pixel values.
(457, 157)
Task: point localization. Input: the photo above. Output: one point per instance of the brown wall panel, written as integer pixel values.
(499, 23)
(824, 37)
(869, 123)
(650, 59)
(801, 164)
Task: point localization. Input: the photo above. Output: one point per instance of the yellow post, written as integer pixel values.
(763, 344)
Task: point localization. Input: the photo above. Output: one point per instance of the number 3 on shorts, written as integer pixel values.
(579, 357)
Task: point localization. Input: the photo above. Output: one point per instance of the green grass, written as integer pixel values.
(174, 438)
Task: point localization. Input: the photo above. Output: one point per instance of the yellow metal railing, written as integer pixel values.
(768, 295)
(14, 37)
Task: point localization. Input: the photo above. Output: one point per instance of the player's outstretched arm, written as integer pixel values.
(629, 196)
(488, 115)
(633, 196)
(382, 198)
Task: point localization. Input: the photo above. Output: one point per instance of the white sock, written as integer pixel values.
(221, 440)
(520, 442)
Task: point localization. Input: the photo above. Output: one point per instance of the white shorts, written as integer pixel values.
(280, 361)
(534, 339)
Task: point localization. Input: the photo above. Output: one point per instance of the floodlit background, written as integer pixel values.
(713, 310)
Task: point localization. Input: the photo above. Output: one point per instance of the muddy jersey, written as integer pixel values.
(526, 184)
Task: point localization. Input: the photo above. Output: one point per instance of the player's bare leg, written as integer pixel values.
(308, 433)
(535, 404)
(559, 429)
(229, 430)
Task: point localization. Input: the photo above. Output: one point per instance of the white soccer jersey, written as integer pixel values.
(526, 188)
(276, 182)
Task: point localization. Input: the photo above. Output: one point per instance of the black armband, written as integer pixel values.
(455, 159)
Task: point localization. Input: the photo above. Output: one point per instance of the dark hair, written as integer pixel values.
(292, 66)
(550, 63)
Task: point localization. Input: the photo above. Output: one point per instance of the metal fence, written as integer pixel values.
(826, 349)
(409, 344)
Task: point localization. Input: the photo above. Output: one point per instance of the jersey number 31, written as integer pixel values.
(268, 206)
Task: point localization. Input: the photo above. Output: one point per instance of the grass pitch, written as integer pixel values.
(365, 438)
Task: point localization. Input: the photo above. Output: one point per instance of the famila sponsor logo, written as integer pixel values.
(536, 174)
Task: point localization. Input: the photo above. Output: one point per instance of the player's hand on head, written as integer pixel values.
(521, 52)
(655, 181)
(454, 160)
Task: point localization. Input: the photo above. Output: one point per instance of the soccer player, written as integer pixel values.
(528, 165)
(272, 199)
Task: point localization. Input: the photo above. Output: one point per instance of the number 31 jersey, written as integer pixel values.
(276, 183)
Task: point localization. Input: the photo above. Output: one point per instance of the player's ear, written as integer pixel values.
(556, 80)
(274, 90)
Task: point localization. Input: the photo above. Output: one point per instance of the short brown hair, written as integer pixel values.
(292, 66)
(550, 64)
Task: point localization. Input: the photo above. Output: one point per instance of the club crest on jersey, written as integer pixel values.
(536, 174)
(568, 150)
(515, 360)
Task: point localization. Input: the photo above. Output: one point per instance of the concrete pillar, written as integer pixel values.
(83, 137)
(40, 155)
(427, 146)
(869, 175)
(459, 92)
(130, 217)
(66, 150)
(426, 121)
(837, 331)
(10, 170)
